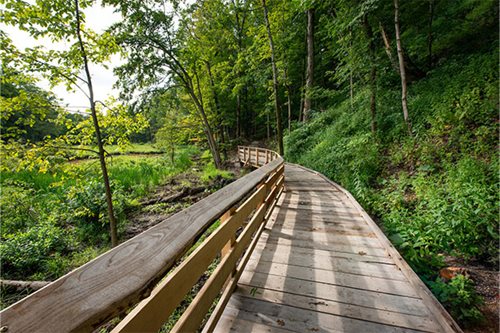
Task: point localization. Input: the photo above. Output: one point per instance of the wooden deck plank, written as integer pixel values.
(326, 238)
(304, 216)
(329, 277)
(360, 297)
(345, 248)
(321, 253)
(328, 227)
(300, 320)
(339, 308)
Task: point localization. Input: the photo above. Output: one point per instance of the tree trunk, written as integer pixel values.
(198, 100)
(373, 75)
(289, 101)
(217, 109)
(402, 70)
(387, 48)
(310, 63)
(102, 159)
(275, 82)
(430, 38)
(238, 116)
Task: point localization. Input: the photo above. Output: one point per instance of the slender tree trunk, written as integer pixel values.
(238, 116)
(402, 70)
(310, 63)
(351, 79)
(102, 159)
(373, 75)
(217, 109)
(275, 82)
(198, 101)
(430, 37)
(387, 48)
(268, 126)
(289, 100)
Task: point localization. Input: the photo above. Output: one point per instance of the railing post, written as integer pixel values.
(223, 219)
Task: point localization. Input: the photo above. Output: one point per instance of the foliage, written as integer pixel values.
(435, 194)
(210, 173)
(50, 219)
(460, 298)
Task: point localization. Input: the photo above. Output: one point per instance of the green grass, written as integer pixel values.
(132, 148)
(53, 222)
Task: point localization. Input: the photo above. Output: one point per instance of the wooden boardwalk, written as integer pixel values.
(322, 265)
(294, 252)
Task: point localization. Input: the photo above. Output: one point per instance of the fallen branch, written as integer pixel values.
(186, 191)
(35, 285)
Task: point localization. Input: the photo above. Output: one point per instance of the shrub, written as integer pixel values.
(460, 298)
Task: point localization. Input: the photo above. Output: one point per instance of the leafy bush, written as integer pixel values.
(460, 298)
(31, 251)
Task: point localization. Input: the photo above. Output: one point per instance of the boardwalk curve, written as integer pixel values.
(323, 265)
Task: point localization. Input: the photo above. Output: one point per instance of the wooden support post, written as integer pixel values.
(227, 248)
(267, 156)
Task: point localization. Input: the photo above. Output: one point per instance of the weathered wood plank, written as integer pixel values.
(302, 215)
(332, 227)
(371, 283)
(300, 320)
(324, 291)
(320, 254)
(229, 323)
(338, 308)
(345, 248)
(109, 284)
(326, 238)
(386, 271)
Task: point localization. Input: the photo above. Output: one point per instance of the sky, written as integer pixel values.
(97, 19)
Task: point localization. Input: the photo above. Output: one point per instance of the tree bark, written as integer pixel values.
(34, 285)
(102, 158)
(310, 63)
(430, 37)
(198, 100)
(217, 109)
(387, 48)
(402, 70)
(373, 75)
(279, 133)
(289, 101)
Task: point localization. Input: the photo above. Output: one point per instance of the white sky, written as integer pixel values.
(97, 19)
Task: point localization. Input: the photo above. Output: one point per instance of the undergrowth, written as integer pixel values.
(435, 193)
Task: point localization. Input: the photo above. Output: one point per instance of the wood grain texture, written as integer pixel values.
(113, 282)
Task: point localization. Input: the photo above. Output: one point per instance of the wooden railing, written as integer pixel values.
(255, 156)
(111, 284)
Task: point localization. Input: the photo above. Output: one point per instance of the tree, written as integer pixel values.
(275, 81)
(402, 70)
(156, 58)
(310, 63)
(62, 21)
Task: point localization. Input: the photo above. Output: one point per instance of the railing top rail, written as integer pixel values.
(108, 285)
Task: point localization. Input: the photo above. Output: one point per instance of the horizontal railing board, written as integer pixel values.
(110, 284)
